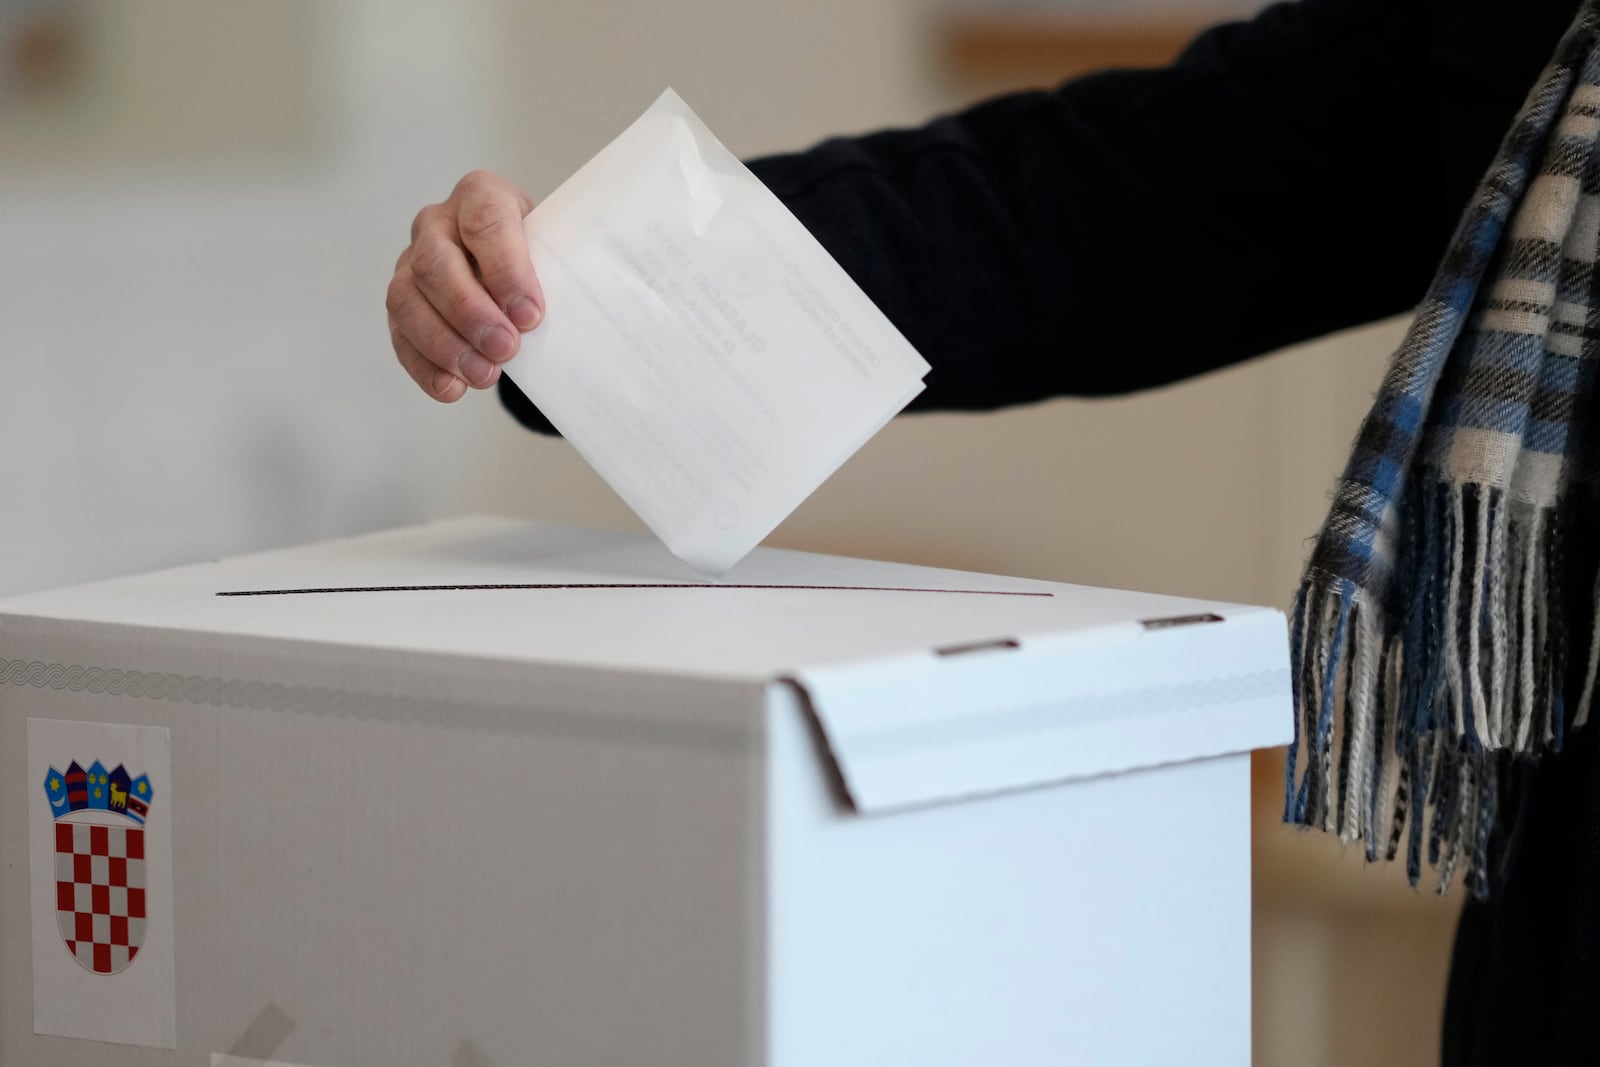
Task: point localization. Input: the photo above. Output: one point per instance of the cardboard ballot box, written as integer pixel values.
(494, 793)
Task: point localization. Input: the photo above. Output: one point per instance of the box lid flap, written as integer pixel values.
(945, 724)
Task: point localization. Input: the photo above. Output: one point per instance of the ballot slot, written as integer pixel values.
(698, 586)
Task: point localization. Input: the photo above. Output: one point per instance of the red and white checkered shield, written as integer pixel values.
(100, 890)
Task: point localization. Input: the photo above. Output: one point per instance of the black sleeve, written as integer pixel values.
(1284, 178)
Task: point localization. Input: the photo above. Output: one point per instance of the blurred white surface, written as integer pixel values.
(195, 346)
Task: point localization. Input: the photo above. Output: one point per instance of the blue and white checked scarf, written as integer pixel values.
(1430, 638)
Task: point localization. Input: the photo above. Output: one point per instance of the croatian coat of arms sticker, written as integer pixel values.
(100, 860)
(101, 879)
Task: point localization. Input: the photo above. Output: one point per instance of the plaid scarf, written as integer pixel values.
(1436, 615)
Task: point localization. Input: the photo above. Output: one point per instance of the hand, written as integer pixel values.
(464, 289)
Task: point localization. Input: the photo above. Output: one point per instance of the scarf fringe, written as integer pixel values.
(1405, 721)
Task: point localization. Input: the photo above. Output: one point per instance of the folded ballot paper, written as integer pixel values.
(700, 349)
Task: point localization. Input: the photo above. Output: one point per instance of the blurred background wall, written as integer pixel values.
(201, 202)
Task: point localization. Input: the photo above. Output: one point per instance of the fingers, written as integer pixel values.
(489, 212)
(414, 319)
(464, 288)
(444, 276)
(437, 383)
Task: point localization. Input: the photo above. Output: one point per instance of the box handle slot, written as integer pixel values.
(1172, 621)
(970, 647)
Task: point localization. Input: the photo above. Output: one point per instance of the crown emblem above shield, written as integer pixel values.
(101, 877)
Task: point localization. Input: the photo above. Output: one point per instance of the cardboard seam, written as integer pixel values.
(832, 768)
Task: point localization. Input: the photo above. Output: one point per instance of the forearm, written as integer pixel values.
(1285, 178)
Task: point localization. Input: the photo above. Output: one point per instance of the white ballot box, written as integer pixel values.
(487, 793)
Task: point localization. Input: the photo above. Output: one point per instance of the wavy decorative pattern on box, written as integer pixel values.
(255, 695)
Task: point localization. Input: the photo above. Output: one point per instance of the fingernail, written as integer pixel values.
(496, 343)
(524, 312)
(476, 369)
(444, 384)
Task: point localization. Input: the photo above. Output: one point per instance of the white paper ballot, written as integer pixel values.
(700, 349)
